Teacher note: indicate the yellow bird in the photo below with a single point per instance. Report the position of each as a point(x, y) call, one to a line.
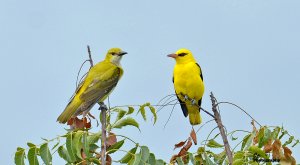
point(98, 84)
point(188, 84)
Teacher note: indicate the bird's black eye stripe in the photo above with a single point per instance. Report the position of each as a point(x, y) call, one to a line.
point(113, 53)
point(182, 54)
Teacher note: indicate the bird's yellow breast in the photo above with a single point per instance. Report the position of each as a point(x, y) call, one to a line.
point(187, 80)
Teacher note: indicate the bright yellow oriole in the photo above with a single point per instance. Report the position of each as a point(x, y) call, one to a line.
point(188, 84)
point(98, 84)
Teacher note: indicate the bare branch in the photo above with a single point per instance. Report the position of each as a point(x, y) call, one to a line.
point(221, 128)
point(90, 56)
point(103, 109)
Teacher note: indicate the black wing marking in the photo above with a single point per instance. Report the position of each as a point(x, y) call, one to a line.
point(199, 104)
point(183, 107)
point(201, 75)
point(182, 104)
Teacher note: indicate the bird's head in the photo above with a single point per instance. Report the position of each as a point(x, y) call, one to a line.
point(114, 55)
point(182, 56)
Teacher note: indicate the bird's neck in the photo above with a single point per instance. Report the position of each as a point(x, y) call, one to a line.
point(116, 60)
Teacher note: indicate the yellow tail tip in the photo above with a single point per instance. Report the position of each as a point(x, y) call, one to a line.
point(195, 119)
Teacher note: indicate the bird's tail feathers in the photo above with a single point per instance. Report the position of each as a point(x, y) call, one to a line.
point(194, 115)
point(68, 112)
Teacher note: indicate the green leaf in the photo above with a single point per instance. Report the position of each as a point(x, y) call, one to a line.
point(29, 144)
point(207, 160)
point(20, 156)
point(200, 150)
point(179, 161)
point(70, 147)
point(121, 113)
point(151, 159)
point(130, 110)
point(153, 111)
point(160, 162)
point(143, 112)
point(128, 156)
point(77, 143)
point(125, 122)
point(264, 138)
point(219, 158)
point(63, 153)
point(95, 160)
point(297, 141)
point(115, 147)
point(32, 156)
point(45, 154)
point(288, 141)
point(191, 157)
point(93, 138)
point(247, 141)
point(283, 132)
point(238, 162)
point(213, 144)
point(275, 132)
point(93, 147)
point(55, 145)
point(86, 145)
point(257, 150)
point(45, 139)
point(137, 159)
point(144, 153)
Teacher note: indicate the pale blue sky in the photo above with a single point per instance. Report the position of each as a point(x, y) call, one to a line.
point(248, 49)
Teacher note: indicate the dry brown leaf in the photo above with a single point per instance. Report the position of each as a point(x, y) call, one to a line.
point(276, 149)
point(70, 121)
point(193, 136)
point(182, 152)
point(173, 159)
point(287, 152)
point(180, 144)
point(287, 158)
point(86, 123)
point(78, 123)
point(253, 124)
point(184, 149)
point(108, 160)
point(188, 144)
point(111, 139)
point(268, 146)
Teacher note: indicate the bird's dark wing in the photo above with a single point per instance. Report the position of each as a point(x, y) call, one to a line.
point(100, 88)
point(182, 104)
point(201, 75)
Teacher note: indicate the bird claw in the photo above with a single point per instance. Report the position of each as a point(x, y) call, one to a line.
point(102, 106)
point(193, 101)
point(186, 98)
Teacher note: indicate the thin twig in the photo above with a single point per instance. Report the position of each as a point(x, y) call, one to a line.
point(221, 128)
point(169, 116)
point(204, 125)
point(90, 56)
point(224, 102)
point(79, 73)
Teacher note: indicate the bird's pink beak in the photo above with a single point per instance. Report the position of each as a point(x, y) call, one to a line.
point(173, 55)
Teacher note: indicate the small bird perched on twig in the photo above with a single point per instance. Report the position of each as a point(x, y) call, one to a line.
point(188, 84)
point(100, 81)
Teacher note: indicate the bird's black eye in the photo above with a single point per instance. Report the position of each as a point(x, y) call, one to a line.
point(113, 53)
point(182, 54)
